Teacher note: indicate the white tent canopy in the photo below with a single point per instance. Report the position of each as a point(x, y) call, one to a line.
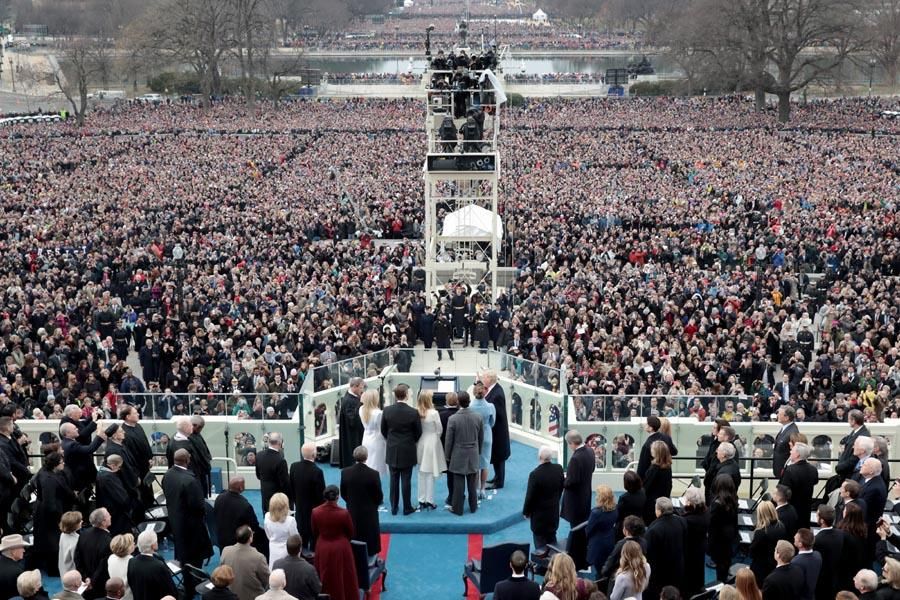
point(471, 221)
point(539, 16)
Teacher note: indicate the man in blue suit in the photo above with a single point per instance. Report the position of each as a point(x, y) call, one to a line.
point(517, 587)
point(873, 493)
point(809, 561)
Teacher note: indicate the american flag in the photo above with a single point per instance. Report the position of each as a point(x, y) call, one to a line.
point(553, 421)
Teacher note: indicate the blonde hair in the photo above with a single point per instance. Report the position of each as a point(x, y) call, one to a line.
point(662, 458)
point(729, 592)
point(369, 401)
point(278, 507)
point(892, 566)
point(562, 577)
point(425, 403)
point(605, 498)
point(745, 582)
point(222, 576)
point(28, 583)
point(632, 562)
point(765, 514)
point(665, 426)
point(70, 522)
point(122, 545)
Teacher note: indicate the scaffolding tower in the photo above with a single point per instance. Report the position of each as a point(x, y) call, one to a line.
point(463, 229)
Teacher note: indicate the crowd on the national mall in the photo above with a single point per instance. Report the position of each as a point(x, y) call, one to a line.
point(674, 258)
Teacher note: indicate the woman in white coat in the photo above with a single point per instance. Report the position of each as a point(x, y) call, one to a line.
point(370, 415)
point(279, 526)
point(429, 451)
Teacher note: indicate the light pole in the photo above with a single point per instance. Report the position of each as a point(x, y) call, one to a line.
point(12, 74)
point(872, 63)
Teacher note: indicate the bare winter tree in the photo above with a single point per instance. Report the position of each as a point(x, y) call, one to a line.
point(81, 60)
point(882, 34)
point(252, 35)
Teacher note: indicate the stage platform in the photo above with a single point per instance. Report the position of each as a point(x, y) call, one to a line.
point(498, 511)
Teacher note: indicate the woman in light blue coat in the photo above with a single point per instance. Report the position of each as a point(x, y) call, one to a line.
point(489, 416)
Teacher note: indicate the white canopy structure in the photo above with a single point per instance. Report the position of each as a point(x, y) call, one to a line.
point(539, 16)
point(471, 221)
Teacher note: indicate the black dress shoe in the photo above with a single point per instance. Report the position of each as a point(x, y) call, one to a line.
point(408, 511)
point(394, 511)
point(494, 487)
point(458, 514)
point(489, 481)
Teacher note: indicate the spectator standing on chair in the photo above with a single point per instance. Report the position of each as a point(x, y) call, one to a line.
point(361, 490)
point(350, 427)
point(847, 461)
point(633, 574)
point(808, 560)
point(657, 479)
point(148, 576)
point(307, 484)
point(279, 526)
point(801, 477)
point(465, 435)
point(187, 516)
point(334, 553)
point(401, 428)
point(232, 510)
point(500, 449)
point(782, 450)
point(518, 586)
point(652, 428)
point(600, 530)
point(665, 547)
point(576, 501)
point(271, 470)
point(251, 572)
point(302, 580)
point(429, 450)
point(221, 578)
point(488, 417)
point(785, 582)
point(370, 416)
point(696, 518)
point(277, 583)
point(829, 543)
point(723, 526)
point(542, 496)
point(762, 545)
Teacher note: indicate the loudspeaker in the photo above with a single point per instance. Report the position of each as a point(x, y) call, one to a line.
point(335, 458)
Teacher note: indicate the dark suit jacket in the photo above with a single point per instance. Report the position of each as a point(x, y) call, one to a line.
point(80, 461)
point(187, 516)
point(665, 552)
point(445, 412)
point(788, 516)
point(149, 578)
point(517, 588)
point(86, 428)
point(874, 494)
point(361, 490)
point(811, 566)
point(302, 580)
point(801, 477)
point(847, 461)
point(500, 449)
point(645, 458)
point(112, 495)
point(782, 450)
point(829, 544)
point(91, 552)
point(576, 501)
point(136, 441)
point(232, 510)
point(401, 428)
point(18, 462)
point(545, 486)
point(730, 467)
point(272, 472)
point(9, 572)
point(784, 583)
point(307, 486)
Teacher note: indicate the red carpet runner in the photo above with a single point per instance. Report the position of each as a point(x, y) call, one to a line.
point(476, 541)
point(375, 594)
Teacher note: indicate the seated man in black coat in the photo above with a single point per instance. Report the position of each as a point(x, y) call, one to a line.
point(786, 581)
point(517, 587)
point(148, 576)
point(232, 510)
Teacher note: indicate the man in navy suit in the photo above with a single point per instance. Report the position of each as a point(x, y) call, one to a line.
point(401, 428)
point(517, 587)
point(500, 449)
point(809, 561)
point(782, 448)
point(874, 493)
point(847, 461)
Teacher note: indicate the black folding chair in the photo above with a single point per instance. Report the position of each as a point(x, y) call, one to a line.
point(368, 570)
point(491, 568)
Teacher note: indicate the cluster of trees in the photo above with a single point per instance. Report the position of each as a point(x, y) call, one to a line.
point(769, 46)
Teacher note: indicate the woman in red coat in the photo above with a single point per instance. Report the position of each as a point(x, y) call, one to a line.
point(334, 556)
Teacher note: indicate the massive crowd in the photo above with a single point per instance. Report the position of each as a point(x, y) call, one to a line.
point(663, 247)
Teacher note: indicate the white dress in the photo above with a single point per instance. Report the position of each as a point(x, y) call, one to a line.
point(429, 451)
point(118, 567)
point(374, 441)
point(278, 533)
